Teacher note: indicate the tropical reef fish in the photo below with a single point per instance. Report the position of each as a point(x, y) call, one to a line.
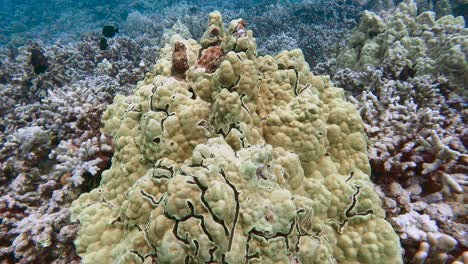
point(109, 31)
point(38, 61)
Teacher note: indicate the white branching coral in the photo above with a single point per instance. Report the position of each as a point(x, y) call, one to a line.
point(440, 149)
point(51, 148)
point(406, 75)
point(78, 159)
point(25, 139)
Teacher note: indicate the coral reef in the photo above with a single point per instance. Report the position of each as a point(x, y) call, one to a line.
point(410, 45)
point(406, 73)
point(223, 156)
point(51, 149)
point(320, 26)
point(444, 7)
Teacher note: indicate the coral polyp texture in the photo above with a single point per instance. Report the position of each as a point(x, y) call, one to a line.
point(411, 45)
point(225, 157)
point(407, 74)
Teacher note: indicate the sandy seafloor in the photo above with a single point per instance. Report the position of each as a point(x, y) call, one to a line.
point(407, 78)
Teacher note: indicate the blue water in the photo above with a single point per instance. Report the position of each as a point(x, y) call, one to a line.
point(67, 19)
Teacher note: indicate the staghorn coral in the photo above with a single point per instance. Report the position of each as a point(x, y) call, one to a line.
point(415, 138)
point(410, 93)
point(38, 187)
point(76, 160)
point(236, 159)
point(51, 147)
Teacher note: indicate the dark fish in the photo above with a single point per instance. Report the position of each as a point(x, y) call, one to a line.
point(38, 61)
point(103, 43)
point(109, 31)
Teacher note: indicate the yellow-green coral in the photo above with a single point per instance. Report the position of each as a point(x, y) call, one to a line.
point(235, 159)
point(408, 42)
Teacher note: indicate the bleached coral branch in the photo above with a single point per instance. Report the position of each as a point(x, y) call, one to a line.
point(439, 148)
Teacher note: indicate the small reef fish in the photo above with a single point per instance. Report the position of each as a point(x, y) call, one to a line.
point(38, 61)
point(109, 31)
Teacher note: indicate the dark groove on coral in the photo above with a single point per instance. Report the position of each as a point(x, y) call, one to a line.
point(354, 201)
point(151, 198)
point(159, 166)
point(351, 174)
point(247, 248)
point(194, 95)
point(211, 251)
point(197, 247)
point(199, 165)
point(145, 231)
point(242, 139)
point(117, 220)
point(243, 104)
point(231, 127)
point(296, 93)
point(304, 88)
point(176, 234)
point(348, 210)
point(138, 254)
point(236, 216)
point(153, 90)
point(202, 220)
point(231, 88)
point(132, 109)
point(210, 210)
point(279, 234)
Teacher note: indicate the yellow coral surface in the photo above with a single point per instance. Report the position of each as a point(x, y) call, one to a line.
point(408, 41)
point(234, 159)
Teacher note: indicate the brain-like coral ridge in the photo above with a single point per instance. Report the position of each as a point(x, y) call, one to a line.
point(225, 157)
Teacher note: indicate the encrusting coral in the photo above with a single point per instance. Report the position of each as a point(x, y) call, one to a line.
point(225, 157)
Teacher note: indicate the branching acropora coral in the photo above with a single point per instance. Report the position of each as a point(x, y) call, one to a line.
point(225, 157)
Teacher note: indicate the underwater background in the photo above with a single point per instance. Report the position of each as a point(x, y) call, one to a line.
point(403, 64)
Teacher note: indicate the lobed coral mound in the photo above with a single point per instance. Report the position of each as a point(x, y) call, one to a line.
point(409, 45)
point(408, 76)
point(225, 157)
